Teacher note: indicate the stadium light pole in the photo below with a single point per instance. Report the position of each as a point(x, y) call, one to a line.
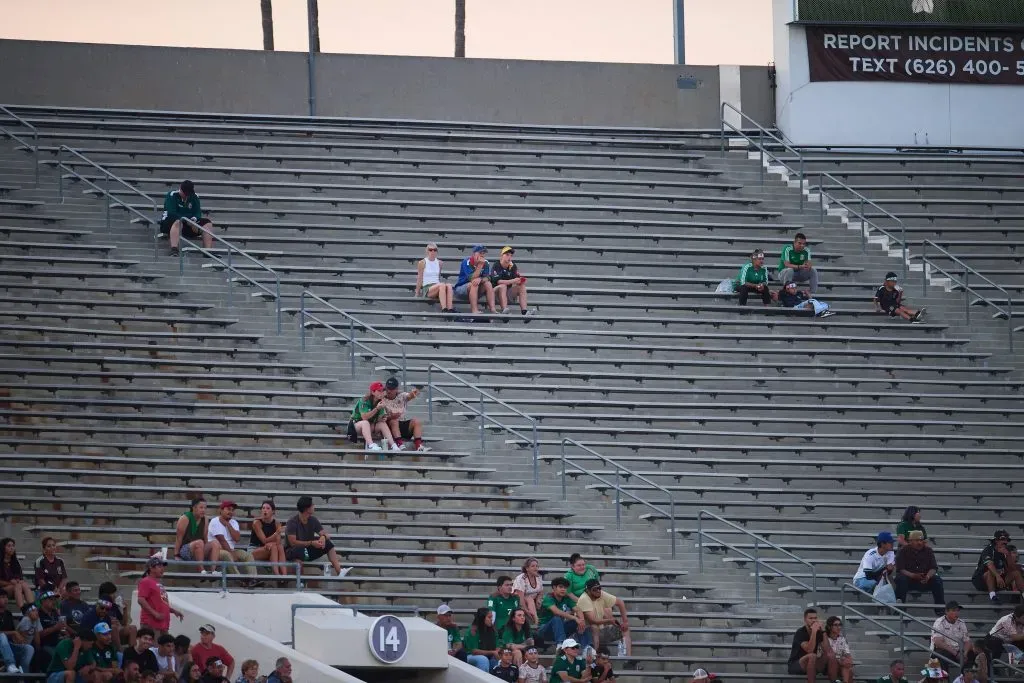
point(679, 22)
point(313, 25)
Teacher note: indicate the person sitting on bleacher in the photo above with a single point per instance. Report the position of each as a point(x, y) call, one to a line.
point(997, 570)
point(104, 655)
point(184, 203)
point(1007, 636)
point(917, 570)
point(753, 277)
point(72, 660)
point(16, 650)
point(798, 301)
point(516, 635)
point(795, 264)
point(508, 283)
point(474, 276)
point(72, 607)
point(265, 538)
point(558, 617)
point(369, 417)
point(395, 403)
point(222, 537)
point(878, 563)
point(502, 602)
point(53, 627)
point(911, 521)
point(596, 605)
point(481, 641)
point(206, 649)
point(428, 280)
point(50, 572)
point(889, 300)
point(308, 541)
point(190, 532)
point(12, 578)
point(107, 609)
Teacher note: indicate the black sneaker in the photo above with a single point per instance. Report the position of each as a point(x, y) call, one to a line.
point(175, 251)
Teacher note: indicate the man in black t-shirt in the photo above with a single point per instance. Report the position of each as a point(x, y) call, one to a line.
point(889, 299)
point(811, 653)
point(996, 570)
point(508, 282)
point(307, 539)
point(141, 653)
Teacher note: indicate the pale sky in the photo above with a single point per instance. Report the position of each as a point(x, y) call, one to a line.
point(718, 31)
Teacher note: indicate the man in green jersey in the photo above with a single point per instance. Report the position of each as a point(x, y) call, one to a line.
point(753, 277)
point(558, 617)
point(182, 213)
point(895, 675)
point(795, 264)
point(568, 666)
point(503, 602)
point(446, 620)
point(72, 659)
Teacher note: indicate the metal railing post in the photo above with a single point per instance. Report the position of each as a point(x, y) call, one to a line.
point(1009, 319)
point(231, 291)
point(618, 499)
point(60, 173)
point(700, 541)
point(721, 130)
point(536, 456)
point(181, 260)
point(430, 393)
point(821, 199)
point(224, 576)
point(352, 346)
point(298, 576)
point(967, 298)
point(802, 182)
point(35, 141)
point(483, 426)
point(903, 642)
point(672, 522)
point(757, 572)
point(842, 602)
point(906, 258)
point(760, 148)
point(563, 470)
point(106, 200)
point(302, 320)
point(814, 585)
point(277, 295)
point(924, 268)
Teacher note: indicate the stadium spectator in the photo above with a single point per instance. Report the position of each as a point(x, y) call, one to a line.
point(100, 613)
point(502, 602)
point(446, 620)
point(184, 203)
point(889, 299)
point(142, 651)
point(223, 533)
point(601, 670)
point(997, 570)
point(795, 264)
point(801, 304)
point(105, 655)
point(596, 606)
point(508, 283)
point(147, 677)
point(16, 650)
point(130, 674)
point(183, 653)
point(481, 641)
point(12, 578)
point(878, 562)
point(532, 671)
point(474, 276)
point(979, 659)
point(753, 277)
point(528, 586)
point(190, 534)
point(967, 675)
point(194, 674)
point(30, 627)
point(50, 572)
point(428, 280)
point(702, 676)
point(911, 522)
point(395, 403)
point(1007, 636)
point(53, 626)
point(505, 669)
point(72, 659)
point(308, 541)
point(578, 574)
point(72, 607)
point(896, 670)
point(949, 634)
point(840, 648)
point(811, 653)
point(917, 571)
point(250, 672)
point(265, 538)
point(214, 672)
point(933, 671)
point(166, 659)
point(206, 649)
point(516, 635)
point(370, 416)
point(282, 672)
point(558, 616)
point(568, 666)
point(154, 606)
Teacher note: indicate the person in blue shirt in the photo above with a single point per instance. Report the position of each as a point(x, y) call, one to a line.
point(184, 203)
point(474, 278)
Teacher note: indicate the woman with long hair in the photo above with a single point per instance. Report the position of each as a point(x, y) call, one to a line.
point(529, 586)
point(265, 538)
point(841, 649)
point(12, 578)
point(192, 674)
point(911, 522)
point(481, 641)
point(428, 280)
point(516, 635)
point(50, 572)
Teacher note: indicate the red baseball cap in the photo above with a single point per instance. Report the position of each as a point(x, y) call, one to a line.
point(376, 386)
point(227, 504)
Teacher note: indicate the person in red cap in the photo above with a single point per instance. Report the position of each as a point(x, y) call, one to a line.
point(369, 417)
point(223, 535)
point(154, 608)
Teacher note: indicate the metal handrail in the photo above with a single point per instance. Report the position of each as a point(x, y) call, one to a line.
point(968, 290)
point(109, 175)
point(762, 131)
point(276, 292)
point(35, 137)
point(225, 564)
point(618, 489)
point(352, 323)
point(756, 557)
point(103, 191)
point(482, 412)
point(866, 222)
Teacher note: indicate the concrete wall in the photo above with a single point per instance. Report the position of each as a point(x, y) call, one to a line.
point(886, 113)
point(256, 82)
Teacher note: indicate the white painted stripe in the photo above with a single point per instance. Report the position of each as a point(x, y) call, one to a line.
point(729, 91)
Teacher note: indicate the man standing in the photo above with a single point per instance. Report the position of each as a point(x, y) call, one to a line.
point(206, 649)
point(917, 570)
point(474, 275)
point(503, 603)
point(154, 607)
point(878, 562)
point(179, 204)
point(596, 607)
point(895, 675)
point(810, 653)
point(395, 403)
point(950, 638)
point(996, 570)
point(557, 618)
point(15, 650)
point(795, 264)
point(753, 277)
point(308, 541)
point(508, 283)
point(223, 533)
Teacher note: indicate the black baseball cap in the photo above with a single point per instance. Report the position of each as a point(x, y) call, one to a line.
point(953, 604)
point(1001, 535)
point(592, 583)
point(392, 383)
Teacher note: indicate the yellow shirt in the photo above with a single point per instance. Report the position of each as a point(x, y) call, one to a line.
point(598, 607)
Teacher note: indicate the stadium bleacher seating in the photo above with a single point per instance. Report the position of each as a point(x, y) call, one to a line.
point(128, 387)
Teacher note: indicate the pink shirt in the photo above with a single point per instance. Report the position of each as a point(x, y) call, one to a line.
point(156, 597)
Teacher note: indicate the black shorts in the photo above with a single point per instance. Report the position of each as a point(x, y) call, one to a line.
point(405, 429)
point(794, 668)
point(978, 579)
point(186, 228)
point(297, 554)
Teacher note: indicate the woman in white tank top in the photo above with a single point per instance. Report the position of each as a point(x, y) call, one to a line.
point(428, 280)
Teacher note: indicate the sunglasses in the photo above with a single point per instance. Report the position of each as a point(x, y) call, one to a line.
point(434, 249)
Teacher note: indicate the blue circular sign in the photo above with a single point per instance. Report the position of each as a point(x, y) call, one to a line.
point(389, 641)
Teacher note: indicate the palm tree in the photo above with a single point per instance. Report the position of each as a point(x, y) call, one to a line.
point(267, 13)
point(314, 25)
point(460, 28)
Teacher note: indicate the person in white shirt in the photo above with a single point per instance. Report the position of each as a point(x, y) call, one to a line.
point(968, 675)
point(166, 659)
point(876, 563)
point(428, 280)
point(223, 533)
point(532, 671)
point(950, 637)
point(1007, 636)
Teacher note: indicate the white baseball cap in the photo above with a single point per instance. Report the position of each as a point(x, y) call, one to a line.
point(444, 609)
point(569, 642)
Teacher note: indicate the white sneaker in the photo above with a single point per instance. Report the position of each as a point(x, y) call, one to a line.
point(404, 446)
point(13, 669)
point(424, 449)
point(214, 573)
point(372, 446)
point(529, 312)
point(506, 310)
point(395, 447)
point(344, 571)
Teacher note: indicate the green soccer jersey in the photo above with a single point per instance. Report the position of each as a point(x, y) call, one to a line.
point(454, 636)
point(503, 609)
point(63, 651)
point(511, 637)
point(573, 668)
point(549, 601)
point(797, 258)
point(364, 405)
point(175, 207)
point(577, 582)
point(104, 658)
point(749, 275)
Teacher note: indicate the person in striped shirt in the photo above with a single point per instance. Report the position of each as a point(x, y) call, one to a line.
point(795, 264)
point(753, 277)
